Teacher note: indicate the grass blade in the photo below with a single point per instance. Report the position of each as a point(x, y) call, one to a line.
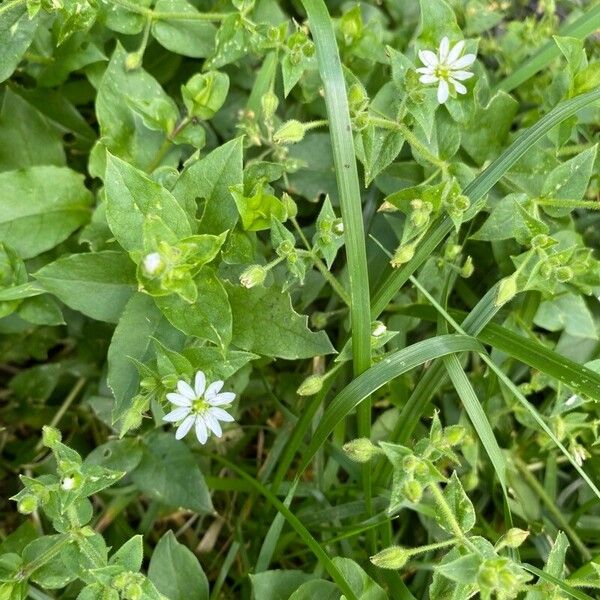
point(586, 24)
point(340, 130)
point(377, 376)
point(475, 191)
point(557, 582)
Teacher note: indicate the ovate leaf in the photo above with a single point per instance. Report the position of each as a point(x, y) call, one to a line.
point(460, 505)
point(96, 284)
point(170, 474)
point(208, 181)
point(194, 38)
point(131, 197)
point(176, 572)
point(140, 322)
point(41, 207)
point(16, 32)
point(265, 322)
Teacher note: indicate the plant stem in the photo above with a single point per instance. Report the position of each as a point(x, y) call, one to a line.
point(412, 139)
point(172, 16)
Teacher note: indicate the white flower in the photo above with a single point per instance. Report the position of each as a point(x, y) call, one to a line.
point(68, 483)
point(200, 407)
point(152, 263)
point(446, 68)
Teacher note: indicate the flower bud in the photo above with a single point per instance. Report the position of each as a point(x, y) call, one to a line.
point(394, 557)
point(290, 132)
point(467, 269)
point(133, 61)
point(378, 329)
point(541, 240)
point(254, 275)
point(413, 490)
point(50, 436)
point(133, 592)
point(27, 504)
point(338, 227)
point(454, 434)
point(71, 482)
point(269, 103)
point(513, 538)
point(403, 254)
point(409, 463)
point(563, 274)
point(153, 264)
point(361, 450)
point(319, 320)
point(357, 98)
point(507, 290)
point(291, 208)
point(311, 385)
point(205, 93)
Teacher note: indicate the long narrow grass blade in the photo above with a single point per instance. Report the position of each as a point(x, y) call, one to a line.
point(557, 582)
point(389, 368)
point(340, 130)
point(475, 191)
point(586, 24)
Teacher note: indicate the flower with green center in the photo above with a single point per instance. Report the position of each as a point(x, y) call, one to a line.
point(199, 407)
point(446, 68)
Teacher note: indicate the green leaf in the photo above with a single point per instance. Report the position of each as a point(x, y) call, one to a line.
point(131, 197)
point(123, 133)
point(264, 322)
point(462, 570)
point(460, 505)
point(193, 38)
point(437, 20)
point(569, 181)
point(140, 322)
point(96, 284)
point(316, 588)
point(176, 572)
point(487, 130)
point(209, 180)
point(130, 554)
point(379, 148)
point(567, 312)
point(277, 584)
point(363, 586)
point(257, 211)
point(170, 474)
point(26, 136)
point(209, 318)
point(16, 32)
point(54, 574)
point(41, 207)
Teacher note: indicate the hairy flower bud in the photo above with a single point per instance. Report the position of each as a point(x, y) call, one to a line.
point(403, 254)
point(361, 450)
point(513, 538)
point(378, 329)
point(50, 436)
point(413, 490)
point(254, 275)
point(467, 269)
point(290, 132)
point(310, 386)
point(394, 557)
point(153, 264)
point(507, 290)
point(27, 504)
point(269, 103)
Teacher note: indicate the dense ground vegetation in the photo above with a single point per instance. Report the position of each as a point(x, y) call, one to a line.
point(299, 300)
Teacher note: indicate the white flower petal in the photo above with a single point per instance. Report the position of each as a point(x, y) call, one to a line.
point(213, 389)
point(426, 70)
point(464, 61)
point(201, 431)
point(461, 75)
point(428, 58)
point(185, 389)
point(212, 424)
point(455, 52)
point(199, 384)
point(177, 414)
point(222, 398)
point(428, 79)
point(443, 92)
point(184, 428)
point(444, 47)
point(459, 87)
point(178, 399)
point(221, 414)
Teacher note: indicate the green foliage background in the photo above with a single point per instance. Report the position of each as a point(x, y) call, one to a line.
point(402, 294)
